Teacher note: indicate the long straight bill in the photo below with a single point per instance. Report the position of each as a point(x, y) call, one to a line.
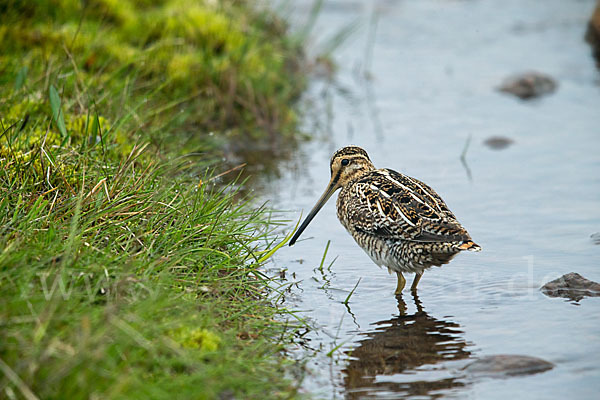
point(328, 192)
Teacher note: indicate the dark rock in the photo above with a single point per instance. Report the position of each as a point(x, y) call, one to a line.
point(595, 237)
point(572, 286)
point(592, 36)
point(505, 365)
point(529, 85)
point(498, 142)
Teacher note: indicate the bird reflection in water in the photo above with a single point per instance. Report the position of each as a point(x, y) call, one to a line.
point(400, 346)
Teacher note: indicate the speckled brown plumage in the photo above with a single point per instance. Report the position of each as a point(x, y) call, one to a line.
point(399, 221)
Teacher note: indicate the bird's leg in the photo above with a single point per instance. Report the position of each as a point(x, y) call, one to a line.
point(418, 276)
point(401, 283)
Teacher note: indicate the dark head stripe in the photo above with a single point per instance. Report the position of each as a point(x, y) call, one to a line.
point(349, 151)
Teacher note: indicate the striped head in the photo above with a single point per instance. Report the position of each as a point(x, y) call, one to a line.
point(346, 165)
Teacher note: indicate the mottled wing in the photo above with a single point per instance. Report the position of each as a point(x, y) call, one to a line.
point(389, 204)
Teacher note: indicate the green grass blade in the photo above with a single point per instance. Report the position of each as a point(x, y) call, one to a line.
point(57, 113)
point(20, 78)
point(324, 255)
point(351, 292)
point(270, 253)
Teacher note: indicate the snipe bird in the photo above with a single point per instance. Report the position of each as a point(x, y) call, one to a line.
point(399, 221)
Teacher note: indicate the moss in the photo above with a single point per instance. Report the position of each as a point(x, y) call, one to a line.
point(34, 115)
point(221, 58)
point(196, 338)
point(34, 148)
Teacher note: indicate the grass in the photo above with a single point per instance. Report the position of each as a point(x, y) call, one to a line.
point(128, 291)
point(126, 269)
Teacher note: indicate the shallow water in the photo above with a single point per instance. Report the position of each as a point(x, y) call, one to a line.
point(428, 86)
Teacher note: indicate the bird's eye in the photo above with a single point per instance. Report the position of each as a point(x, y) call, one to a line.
point(345, 162)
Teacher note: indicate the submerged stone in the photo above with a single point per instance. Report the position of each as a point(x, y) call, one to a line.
point(498, 142)
point(571, 286)
point(529, 85)
point(505, 365)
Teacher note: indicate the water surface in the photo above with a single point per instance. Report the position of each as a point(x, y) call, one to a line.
point(415, 82)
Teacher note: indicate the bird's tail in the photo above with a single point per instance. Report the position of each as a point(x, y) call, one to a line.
point(469, 245)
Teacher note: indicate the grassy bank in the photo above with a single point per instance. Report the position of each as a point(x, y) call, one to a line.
point(123, 273)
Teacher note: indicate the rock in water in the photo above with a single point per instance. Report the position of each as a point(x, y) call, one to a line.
point(529, 85)
point(498, 142)
point(572, 286)
point(505, 365)
point(592, 35)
